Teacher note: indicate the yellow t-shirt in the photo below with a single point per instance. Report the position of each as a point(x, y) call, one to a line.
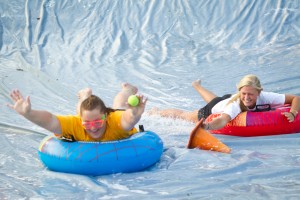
point(72, 128)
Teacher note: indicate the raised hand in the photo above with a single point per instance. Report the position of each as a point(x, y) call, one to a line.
point(21, 105)
point(140, 108)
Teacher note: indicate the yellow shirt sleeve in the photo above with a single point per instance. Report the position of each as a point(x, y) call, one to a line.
point(72, 129)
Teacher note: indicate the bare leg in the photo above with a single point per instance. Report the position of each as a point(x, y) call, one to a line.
point(176, 113)
point(121, 98)
point(204, 93)
point(186, 115)
point(82, 95)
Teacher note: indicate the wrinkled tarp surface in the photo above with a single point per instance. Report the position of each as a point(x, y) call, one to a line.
point(50, 49)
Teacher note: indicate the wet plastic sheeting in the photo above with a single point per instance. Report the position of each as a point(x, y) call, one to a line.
point(50, 49)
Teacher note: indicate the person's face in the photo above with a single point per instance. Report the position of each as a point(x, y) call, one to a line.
point(248, 95)
point(93, 122)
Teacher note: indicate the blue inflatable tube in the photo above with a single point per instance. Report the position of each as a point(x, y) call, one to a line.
point(136, 153)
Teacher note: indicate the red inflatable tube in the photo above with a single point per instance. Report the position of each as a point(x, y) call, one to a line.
point(248, 124)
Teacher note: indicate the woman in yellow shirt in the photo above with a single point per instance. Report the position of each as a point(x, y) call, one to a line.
point(94, 122)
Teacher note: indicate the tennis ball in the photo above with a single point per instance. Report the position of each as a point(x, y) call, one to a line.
point(133, 100)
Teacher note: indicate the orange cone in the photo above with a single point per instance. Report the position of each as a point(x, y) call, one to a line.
point(199, 138)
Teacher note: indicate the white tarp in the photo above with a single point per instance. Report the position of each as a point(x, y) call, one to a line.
point(50, 49)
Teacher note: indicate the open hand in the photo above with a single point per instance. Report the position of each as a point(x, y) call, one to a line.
point(21, 105)
point(290, 117)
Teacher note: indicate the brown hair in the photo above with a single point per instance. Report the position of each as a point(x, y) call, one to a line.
point(94, 102)
point(248, 80)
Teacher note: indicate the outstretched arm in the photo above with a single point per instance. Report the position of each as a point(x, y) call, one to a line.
point(41, 118)
point(217, 123)
point(132, 115)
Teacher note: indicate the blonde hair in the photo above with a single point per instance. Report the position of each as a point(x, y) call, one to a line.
point(248, 80)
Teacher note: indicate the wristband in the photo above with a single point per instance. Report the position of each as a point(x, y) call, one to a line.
point(295, 112)
point(293, 115)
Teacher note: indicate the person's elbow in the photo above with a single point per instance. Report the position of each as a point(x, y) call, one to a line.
point(289, 99)
point(127, 126)
point(128, 122)
point(54, 126)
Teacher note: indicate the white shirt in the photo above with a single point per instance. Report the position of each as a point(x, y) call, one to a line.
point(233, 109)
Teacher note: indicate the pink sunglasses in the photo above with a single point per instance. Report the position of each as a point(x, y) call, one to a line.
point(96, 124)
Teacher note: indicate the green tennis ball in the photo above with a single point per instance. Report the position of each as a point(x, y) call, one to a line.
point(133, 100)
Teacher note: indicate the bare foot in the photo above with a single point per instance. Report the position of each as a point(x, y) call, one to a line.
point(84, 94)
point(120, 100)
point(131, 89)
point(196, 83)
